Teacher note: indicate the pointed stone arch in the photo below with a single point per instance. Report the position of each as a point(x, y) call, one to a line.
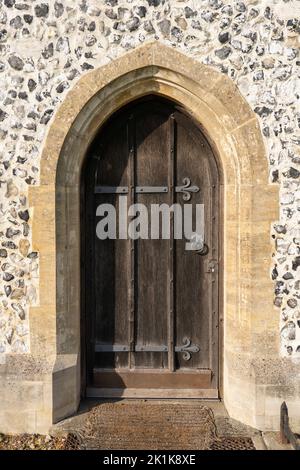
point(250, 204)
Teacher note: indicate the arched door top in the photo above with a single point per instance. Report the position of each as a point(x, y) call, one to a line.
point(209, 96)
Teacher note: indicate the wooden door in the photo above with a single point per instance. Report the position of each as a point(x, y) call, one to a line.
point(150, 305)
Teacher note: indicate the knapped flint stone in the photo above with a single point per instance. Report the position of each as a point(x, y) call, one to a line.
point(240, 6)
point(274, 273)
point(275, 176)
point(16, 22)
point(266, 131)
point(19, 309)
point(287, 276)
point(141, 11)
point(9, 244)
point(23, 95)
point(289, 331)
point(58, 9)
point(280, 228)
point(293, 25)
point(92, 26)
point(148, 27)
point(16, 62)
point(3, 16)
point(7, 290)
point(31, 84)
point(9, 335)
point(10, 232)
point(3, 253)
point(292, 53)
point(246, 48)
point(216, 4)
point(133, 24)
point(278, 301)
point(72, 74)
point(262, 111)
point(287, 198)
point(12, 93)
point(111, 14)
point(22, 6)
point(208, 16)
point(28, 138)
point(5, 266)
point(292, 303)
point(189, 13)
point(25, 229)
point(153, 3)
point(259, 75)
point(24, 215)
point(119, 26)
point(165, 27)
point(29, 179)
point(93, 11)
point(227, 10)
point(236, 44)
point(260, 50)
point(86, 66)
point(296, 263)
point(41, 10)
point(32, 255)
point(280, 287)
point(292, 173)
point(3, 34)
point(223, 53)
point(224, 37)
point(62, 45)
point(3, 115)
point(48, 51)
point(46, 116)
point(62, 87)
point(177, 33)
point(90, 41)
point(20, 283)
point(8, 276)
point(9, 3)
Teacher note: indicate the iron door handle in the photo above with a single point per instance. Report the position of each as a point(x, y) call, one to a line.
point(197, 244)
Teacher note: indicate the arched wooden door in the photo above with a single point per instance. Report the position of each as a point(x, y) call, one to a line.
point(150, 305)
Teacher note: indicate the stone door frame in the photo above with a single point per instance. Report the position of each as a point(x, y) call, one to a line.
point(250, 205)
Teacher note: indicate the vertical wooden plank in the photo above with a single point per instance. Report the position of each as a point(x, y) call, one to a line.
point(131, 274)
point(195, 289)
point(171, 273)
point(111, 257)
point(152, 167)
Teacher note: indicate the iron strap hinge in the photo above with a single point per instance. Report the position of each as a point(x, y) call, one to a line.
point(125, 190)
point(187, 348)
point(186, 189)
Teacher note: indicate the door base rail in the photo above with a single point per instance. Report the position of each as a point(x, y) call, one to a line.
point(152, 379)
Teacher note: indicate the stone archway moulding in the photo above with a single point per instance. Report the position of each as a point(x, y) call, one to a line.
point(250, 204)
